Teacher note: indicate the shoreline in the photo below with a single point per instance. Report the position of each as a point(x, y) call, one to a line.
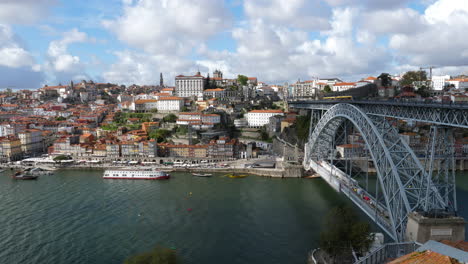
point(263, 172)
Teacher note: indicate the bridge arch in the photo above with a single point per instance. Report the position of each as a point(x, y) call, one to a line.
point(402, 179)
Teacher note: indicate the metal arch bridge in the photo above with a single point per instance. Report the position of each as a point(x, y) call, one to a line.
point(406, 185)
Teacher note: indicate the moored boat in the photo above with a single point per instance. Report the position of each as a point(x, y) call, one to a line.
point(233, 175)
point(202, 174)
point(24, 176)
point(131, 174)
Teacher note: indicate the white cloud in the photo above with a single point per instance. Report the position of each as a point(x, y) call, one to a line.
point(23, 11)
point(175, 26)
point(442, 42)
point(17, 65)
point(394, 21)
point(302, 14)
point(275, 53)
point(60, 60)
point(61, 66)
point(11, 53)
point(141, 68)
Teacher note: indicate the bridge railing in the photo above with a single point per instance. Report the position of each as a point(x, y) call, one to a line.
point(462, 105)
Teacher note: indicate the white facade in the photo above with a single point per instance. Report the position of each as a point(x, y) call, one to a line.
point(166, 104)
point(438, 82)
point(305, 89)
point(187, 86)
point(259, 118)
point(343, 86)
point(459, 83)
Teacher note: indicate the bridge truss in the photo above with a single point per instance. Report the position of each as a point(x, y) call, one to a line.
point(403, 184)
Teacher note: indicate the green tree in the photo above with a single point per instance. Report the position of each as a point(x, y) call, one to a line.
point(423, 91)
point(344, 232)
point(170, 118)
point(327, 89)
point(242, 79)
point(302, 128)
point(386, 79)
point(413, 76)
point(154, 110)
point(159, 255)
point(159, 134)
point(60, 118)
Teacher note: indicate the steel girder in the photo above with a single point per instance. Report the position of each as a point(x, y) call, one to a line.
point(440, 114)
point(402, 178)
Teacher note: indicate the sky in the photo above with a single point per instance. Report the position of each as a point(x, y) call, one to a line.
point(132, 41)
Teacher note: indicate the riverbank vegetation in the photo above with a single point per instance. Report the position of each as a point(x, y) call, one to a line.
point(344, 233)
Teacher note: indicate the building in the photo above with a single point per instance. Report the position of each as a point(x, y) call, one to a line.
point(350, 150)
point(144, 105)
point(459, 83)
point(31, 141)
point(439, 81)
point(259, 118)
point(304, 89)
point(187, 151)
point(224, 148)
point(214, 93)
point(170, 104)
point(187, 86)
point(10, 149)
point(343, 86)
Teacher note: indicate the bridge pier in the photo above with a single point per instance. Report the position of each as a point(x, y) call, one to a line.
point(421, 228)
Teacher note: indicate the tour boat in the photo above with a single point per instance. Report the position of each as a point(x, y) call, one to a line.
point(202, 175)
point(133, 174)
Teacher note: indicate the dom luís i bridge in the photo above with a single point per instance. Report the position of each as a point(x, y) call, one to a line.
point(357, 148)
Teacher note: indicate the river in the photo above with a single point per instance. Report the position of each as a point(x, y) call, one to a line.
point(75, 216)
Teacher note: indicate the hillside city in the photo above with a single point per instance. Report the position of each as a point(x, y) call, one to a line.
point(200, 119)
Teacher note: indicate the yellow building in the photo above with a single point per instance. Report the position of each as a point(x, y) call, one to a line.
point(10, 148)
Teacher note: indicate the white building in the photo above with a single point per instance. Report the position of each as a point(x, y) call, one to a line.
point(259, 118)
point(170, 103)
point(187, 86)
point(305, 89)
point(343, 86)
point(438, 82)
point(459, 83)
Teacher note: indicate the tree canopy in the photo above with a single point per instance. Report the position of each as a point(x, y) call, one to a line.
point(242, 79)
point(343, 231)
point(159, 255)
point(170, 118)
point(413, 76)
point(327, 89)
point(386, 79)
point(159, 134)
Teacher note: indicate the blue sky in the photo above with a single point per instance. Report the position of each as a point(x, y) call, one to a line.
point(132, 41)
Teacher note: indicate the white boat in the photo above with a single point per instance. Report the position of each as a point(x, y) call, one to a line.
point(133, 174)
point(202, 175)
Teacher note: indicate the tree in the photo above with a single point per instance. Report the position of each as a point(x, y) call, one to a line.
point(413, 76)
point(386, 79)
point(159, 134)
point(60, 118)
point(170, 118)
point(302, 128)
point(242, 79)
point(423, 91)
point(344, 232)
point(159, 255)
point(327, 89)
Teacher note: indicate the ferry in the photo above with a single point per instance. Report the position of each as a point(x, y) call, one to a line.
point(133, 174)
